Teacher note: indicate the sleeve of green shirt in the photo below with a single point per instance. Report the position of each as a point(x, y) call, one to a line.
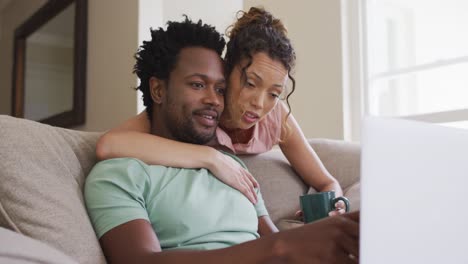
point(260, 205)
point(114, 194)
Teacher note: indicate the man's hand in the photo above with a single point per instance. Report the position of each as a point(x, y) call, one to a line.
point(331, 240)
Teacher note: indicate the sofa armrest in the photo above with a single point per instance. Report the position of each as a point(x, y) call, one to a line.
point(19, 249)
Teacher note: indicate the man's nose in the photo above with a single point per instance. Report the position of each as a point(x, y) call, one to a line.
point(212, 97)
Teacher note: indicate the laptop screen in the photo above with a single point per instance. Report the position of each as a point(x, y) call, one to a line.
point(414, 194)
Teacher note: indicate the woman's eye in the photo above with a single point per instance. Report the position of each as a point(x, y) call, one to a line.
point(275, 95)
point(250, 84)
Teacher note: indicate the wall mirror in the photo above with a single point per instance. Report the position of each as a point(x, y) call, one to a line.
point(49, 74)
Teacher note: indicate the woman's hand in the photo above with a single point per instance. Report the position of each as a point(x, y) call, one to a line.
point(340, 208)
point(229, 171)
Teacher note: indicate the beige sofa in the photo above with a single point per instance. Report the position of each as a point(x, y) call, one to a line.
point(42, 172)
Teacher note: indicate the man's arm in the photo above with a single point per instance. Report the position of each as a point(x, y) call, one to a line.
point(136, 242)
point(266, 226)
point(331, 240)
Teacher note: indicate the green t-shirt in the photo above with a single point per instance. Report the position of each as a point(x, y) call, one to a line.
point(187, 208)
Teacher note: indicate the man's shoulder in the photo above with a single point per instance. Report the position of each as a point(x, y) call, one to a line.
point(120, 163)
point(121, 166)
point(236, 158)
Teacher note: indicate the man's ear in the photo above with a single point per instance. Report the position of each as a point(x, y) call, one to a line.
point(157, 89)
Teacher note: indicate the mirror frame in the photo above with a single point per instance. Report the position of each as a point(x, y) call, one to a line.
point(47, 12)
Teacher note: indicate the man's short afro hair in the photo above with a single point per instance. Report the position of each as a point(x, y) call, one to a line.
point(158, 57)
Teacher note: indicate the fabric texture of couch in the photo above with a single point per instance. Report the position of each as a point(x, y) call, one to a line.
point(43, 169)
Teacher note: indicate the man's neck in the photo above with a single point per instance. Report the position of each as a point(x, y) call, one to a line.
point(158, 126)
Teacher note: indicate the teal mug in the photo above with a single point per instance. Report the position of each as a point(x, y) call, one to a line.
point(317, 206)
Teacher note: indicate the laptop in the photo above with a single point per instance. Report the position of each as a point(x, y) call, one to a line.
point(414, 193)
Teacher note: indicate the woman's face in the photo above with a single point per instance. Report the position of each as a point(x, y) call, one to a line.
point(250, 101)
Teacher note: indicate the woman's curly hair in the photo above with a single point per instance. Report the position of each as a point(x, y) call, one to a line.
point(158, 57)
point(258, 31)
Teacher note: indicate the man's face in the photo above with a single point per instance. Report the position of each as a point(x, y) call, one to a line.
point(194, 97)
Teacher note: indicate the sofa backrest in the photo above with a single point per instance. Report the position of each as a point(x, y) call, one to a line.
point(279, 185)
point(42, 172)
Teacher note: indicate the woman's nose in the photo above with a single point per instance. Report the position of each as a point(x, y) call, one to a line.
point(258, 100)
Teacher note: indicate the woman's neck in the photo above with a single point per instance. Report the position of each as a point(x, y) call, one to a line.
point(238, 135)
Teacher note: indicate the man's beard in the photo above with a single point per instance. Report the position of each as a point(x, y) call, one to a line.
point(185, 132)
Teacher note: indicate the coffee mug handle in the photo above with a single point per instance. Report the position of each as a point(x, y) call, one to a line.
point(341, 198)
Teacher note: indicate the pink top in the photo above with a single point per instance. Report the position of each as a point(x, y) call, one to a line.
point(266, 134)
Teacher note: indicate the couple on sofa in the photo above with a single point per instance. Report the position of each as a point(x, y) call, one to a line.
point(138, 209)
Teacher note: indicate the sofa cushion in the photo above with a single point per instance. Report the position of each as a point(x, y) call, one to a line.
point(19, 249)
point(353, 193)
point(279, 184)
point(342, 159)
point(42, 172)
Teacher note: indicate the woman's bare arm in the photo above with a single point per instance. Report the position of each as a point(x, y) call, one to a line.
point(133, 139)
point(306, 162)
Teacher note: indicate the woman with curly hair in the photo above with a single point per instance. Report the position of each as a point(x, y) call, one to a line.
point(258, 64)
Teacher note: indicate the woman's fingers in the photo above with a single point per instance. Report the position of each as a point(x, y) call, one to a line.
point(340, 208)
point(233, 174)
point(299, 215)
point(340, 205)
point(245, 190)
point(244, 186)
point(249, 188)
point(337, 212)
point(252, 179)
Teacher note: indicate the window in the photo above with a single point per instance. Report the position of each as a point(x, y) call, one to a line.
point(415, 60)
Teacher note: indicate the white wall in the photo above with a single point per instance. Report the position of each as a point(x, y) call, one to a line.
point(112, 42)
point(117, 27)
point(13, 15)
point(315, 31)
point(220, 14)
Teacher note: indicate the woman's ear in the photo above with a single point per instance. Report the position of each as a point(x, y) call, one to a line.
point(157, 89)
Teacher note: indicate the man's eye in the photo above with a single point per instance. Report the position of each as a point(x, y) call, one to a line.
point(221, 91)
point(198, 85)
